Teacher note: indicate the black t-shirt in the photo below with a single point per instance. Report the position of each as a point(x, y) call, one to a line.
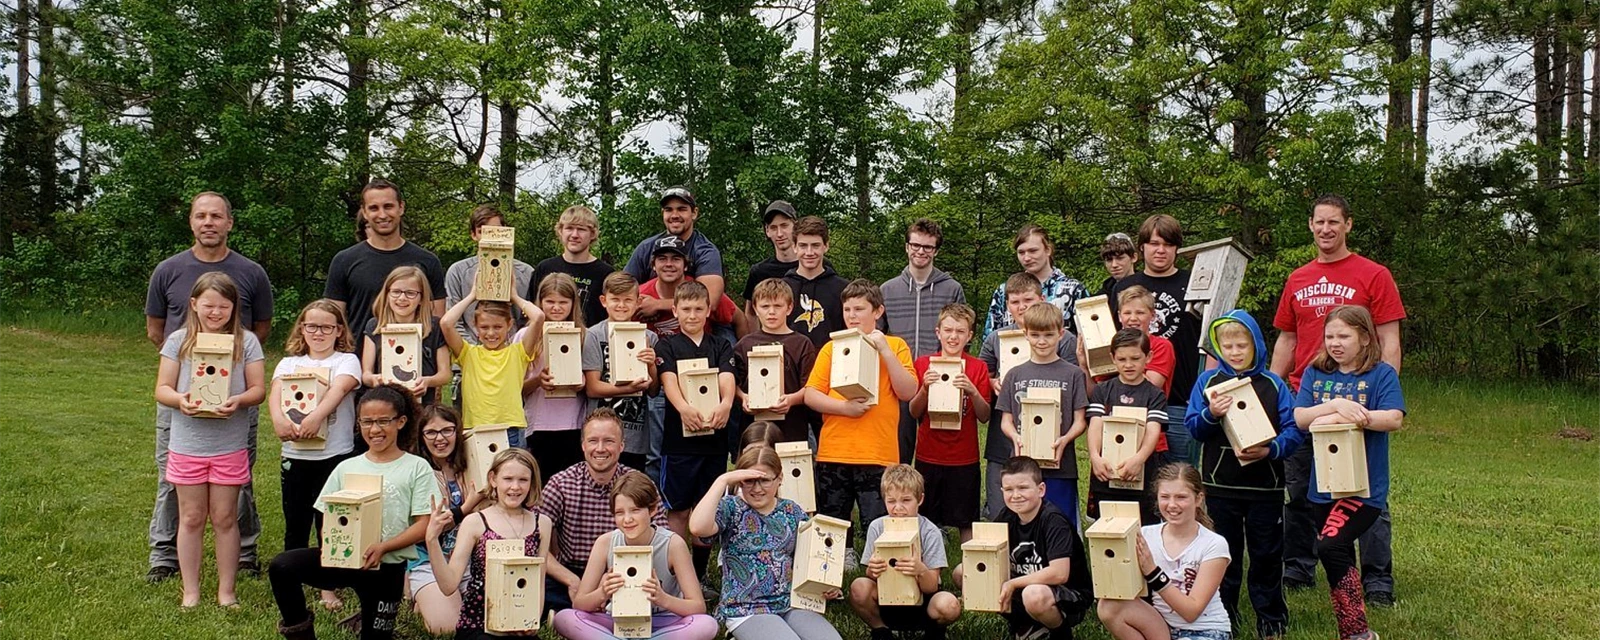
point(670, 351)
point(432, 342)
point(356, 275)
point(769, 268)
point(1050, 536)
point(588, 275)
point(798, 357)
point(1176, 325)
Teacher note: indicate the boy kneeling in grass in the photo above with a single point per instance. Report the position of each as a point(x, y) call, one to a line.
point(902, 490)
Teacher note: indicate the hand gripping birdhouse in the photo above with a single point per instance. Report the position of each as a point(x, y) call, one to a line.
point(901, 540)
point(1246, 423)
point(945, 400)
point(484, 442)
point(400, 353)
point(764, 388)
point(797, 484)
point(1039, 424)
point(1014, 350)
point(1096, 328)
point(513, 587)
point(985, 566)
point(298, 394)
point(352, 520)
point(563, 359)
point(1340, 459)
point(495, 276)
point(854, 372)
point(211, 368)
point(630, 605)
point(697, 380)
point(819, 549)
point(626, 340)
point(1215, 280)
point(1113, 551)
point(1119, 441)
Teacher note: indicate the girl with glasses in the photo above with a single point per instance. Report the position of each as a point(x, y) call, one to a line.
point(406, 299)
point(442, 446)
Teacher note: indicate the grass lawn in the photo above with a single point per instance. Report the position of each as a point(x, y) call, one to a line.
point(1497, 526)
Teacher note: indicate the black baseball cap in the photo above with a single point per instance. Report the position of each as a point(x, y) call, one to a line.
point(670, 244)
point(775, 209)
point(680, 192)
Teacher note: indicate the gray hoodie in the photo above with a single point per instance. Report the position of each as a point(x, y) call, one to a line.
point(912, 312)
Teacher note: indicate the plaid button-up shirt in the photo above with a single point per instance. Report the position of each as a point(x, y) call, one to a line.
point(581, 511)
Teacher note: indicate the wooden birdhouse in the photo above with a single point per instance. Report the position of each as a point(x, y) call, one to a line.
point(854, 373)
point(1113, 551)
point(626, 340)
point(352, 520)
point(1014, 350)
point(211, 362)
point(495, 275)
point(513, 587)
point(764, 388)
point(630, 605)
point(400, 353)
point(945, 401)
point(1119, 441)
point(1340, 452)
point(985, 565)
point(1096, 328)
point(697, 380)
point(901, 540)
point(563, 358)
point(1214, 281)
point(484, 442)
point(1246, 423)
point(797, 484)
point(1039, 424)
point(298, 394)
point(820, 545)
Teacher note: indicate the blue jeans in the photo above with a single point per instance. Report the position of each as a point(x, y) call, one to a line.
point(1063, 493)
point(1253, 528)
point(1180, 447)
point(654, 422)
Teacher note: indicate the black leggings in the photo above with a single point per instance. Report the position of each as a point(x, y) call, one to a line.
point(380, 590)
point(1342, 523)
point(301, 484)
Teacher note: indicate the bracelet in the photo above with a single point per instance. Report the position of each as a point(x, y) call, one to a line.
point(1156, 581)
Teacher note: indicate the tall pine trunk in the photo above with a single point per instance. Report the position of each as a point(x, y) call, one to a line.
point(358, 132)
point(45, 113)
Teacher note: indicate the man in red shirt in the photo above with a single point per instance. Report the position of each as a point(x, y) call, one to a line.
point(1336, 277)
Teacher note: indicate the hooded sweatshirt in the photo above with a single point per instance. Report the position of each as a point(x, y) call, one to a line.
point(817, 303)
point(912, 312)
point(1220, 471)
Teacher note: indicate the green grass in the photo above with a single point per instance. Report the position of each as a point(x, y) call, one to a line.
point(1497, 528)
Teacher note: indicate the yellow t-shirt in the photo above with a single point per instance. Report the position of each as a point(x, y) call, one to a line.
point(491, 385)
point(873, 438)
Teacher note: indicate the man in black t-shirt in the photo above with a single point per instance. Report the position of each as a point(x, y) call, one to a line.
point(1160, 237)
point(356, 275)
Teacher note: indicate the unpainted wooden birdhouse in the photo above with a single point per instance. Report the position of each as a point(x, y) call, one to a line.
point(513, 587)
point(697, 380)
point(1340, 457)
point(764, 388)
point(484, 442)
point(1038, 424)
point(400, 353)
point(210, 375)
point(1119, 441)
point(1013, 350)
point(1113, 551)
point(854, 372)
point(901, 540)
point(1246, 423)
point(495, 273)
point(945, 400)
point(563, 349)
point(985, 566)
point(797, 484)
point(626, 340)
point(630, 605)
point(818, 561)
point(1096, 328)
point(353, 521)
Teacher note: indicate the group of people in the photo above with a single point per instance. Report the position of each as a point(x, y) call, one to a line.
point(632, 462)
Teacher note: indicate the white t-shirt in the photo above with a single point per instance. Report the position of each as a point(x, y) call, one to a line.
point(1183, 570)
point(342, 424)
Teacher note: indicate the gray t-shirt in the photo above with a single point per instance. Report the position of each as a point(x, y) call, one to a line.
point(341, 424)
point(173, 281)
point(932, 541)
point(597, 357)
point(195, 436)
point(458, 281)
point(1061, 375)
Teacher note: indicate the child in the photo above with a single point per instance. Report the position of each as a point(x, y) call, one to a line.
point(554, 424)
point(761, 433)
point(1129, 350)
point(859, 440)
point(1120, 257)
point(1350, 383)
point(772, 302)
point(492, 373)
point(1182, 562)
point(207, 459)
point(577, 230)
point(387, 418)
point(619, 296)
point(1246, 501)
point(1046, 369)
point(1136, 309)
point(818, 292)
point(679, 611)
point(1050, 588)
point(757, 531)
point(693, 452)
point(948, 459)
point(442, 446)
point(902, 496)
point(513, 490)
point(319, 340)
point(407, 299)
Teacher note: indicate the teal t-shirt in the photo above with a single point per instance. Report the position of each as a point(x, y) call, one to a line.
point(408, 491)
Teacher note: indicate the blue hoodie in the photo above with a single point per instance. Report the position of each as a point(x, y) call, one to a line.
point(1220, 471)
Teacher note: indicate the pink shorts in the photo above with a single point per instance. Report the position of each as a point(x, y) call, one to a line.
point(228, 468)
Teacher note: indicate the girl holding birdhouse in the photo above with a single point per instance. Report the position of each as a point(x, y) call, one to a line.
point(208, 459)
point(678, 608)
point(555, 413)
point(1348, 383)
point(406, 303)
point(442, 446)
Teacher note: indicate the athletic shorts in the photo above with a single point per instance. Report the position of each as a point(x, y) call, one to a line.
point(227, 469)
point(951, 493)
point(909, 617)
point(686, 478)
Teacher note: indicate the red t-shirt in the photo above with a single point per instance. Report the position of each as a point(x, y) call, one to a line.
point(1163, 361)
point(1318, 287)
point(946, 447)
point(664, 324)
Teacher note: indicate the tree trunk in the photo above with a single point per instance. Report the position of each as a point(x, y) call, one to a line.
point(814, 125)
point(967, 23)
point(508, 155)
point(357, 119)
point(286, 15)
point(1594, 107)
point(45, 113)
point(1543, 118)
point(1574, 94)
point(863, 188)
point(19, 19)
point(1398, 132)
point(1424, 88)
point(605, 130)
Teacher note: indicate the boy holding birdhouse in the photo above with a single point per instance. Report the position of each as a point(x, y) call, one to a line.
point(914, 575)
point(1046, 370)
point(948, 457)
point(771, 302)
point(1124, 480)
point(608, 382)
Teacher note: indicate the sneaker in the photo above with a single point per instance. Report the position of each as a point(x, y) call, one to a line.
point(249, 569)
point(850, 560)
point(1380, 599)
point(159, 573)
point(1037, 632)
point(882, 633)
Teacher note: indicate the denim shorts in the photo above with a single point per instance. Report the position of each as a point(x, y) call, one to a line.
point(1201, 634)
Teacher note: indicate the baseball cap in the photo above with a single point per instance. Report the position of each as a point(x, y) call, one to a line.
point(670, 244)
point(775, 209)
point(680, 192)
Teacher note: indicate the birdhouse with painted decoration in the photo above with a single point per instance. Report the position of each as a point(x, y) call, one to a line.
point(797, 484)
point(764, 388)
point(985, 566)
point(1096, 328)
point(400, 353)
point(1340, 460)
point(854, 371)
point(210, 373)
point(563, 358)
point(352, 520)
point(1246, 423)
point(1214, 280)
point(1038, 425)
point(1013, 350)
point(1113, 551)
point(901, 541)
point(298, 394)
point(626, 340)
point(495, 275)
point(945, 400)
point(630, 605)
point(513, 587)
point(1119, 441)
point(818, 561)
point(484, 442)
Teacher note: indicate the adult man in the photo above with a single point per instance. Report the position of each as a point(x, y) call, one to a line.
point(911, 305)
point(166, 303)
point(1160, 237)
point(678, 214)
point(578, 501)
point(356, 275)
point(461, 276)
point(777, 221)
point(1036, 253)
point(578, 228)
point(1336, 277)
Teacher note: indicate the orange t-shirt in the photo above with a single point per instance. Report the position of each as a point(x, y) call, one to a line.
point(873, 438)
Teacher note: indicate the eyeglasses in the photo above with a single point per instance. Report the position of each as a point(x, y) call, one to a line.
point(924, 248)
point(321, 329)
point(755, 483)
point(407, 294)
point(377, 422)
point(439, 434)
